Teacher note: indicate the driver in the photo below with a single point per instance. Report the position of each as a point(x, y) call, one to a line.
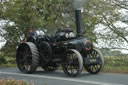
point(31, 33)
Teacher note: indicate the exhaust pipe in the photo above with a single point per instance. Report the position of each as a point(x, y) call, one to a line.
point(79, 29)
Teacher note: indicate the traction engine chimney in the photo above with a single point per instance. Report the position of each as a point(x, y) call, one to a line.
point(79, 29)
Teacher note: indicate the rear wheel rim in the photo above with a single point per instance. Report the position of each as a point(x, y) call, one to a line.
point(25, 59)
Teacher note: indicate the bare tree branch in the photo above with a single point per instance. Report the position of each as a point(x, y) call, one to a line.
point(116, 48)
point(114, 29)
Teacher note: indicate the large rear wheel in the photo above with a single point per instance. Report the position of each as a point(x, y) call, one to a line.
point(94, 62)
point(27, 57)
point(74, 63)
point(45, 51)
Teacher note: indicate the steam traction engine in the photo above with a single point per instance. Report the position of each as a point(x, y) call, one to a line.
point(71, 52)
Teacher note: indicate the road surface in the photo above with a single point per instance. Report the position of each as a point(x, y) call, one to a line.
point(59, 78)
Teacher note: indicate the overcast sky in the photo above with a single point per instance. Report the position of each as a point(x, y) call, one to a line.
point(2, 41)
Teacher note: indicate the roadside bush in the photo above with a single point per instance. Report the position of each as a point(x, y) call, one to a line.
point(2, 59)
point(6, 59)
point(116, 60)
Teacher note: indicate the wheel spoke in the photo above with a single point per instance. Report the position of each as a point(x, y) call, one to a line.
point(50, 67)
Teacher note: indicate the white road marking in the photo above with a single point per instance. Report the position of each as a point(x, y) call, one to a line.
point(60, 78)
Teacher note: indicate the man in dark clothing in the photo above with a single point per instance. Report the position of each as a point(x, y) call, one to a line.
point(35, 33)
point(30, 33)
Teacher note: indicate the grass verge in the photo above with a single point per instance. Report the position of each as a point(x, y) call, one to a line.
point(8, 65)
point(115, 69)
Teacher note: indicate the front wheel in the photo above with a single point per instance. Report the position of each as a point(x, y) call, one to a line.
point(74, 63)
point(94, 62)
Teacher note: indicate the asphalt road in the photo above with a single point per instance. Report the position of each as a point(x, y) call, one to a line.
point(59, 78)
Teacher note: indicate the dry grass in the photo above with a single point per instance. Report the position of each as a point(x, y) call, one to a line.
point(11, 81)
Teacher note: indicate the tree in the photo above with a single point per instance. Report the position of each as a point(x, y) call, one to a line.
point(21, 15)
point(115, 24)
